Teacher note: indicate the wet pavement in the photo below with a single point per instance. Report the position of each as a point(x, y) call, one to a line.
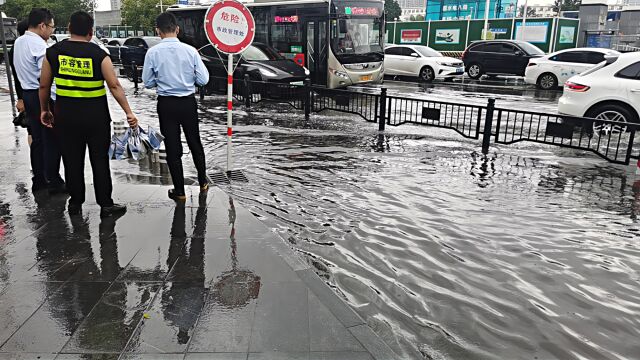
point(528, 252)
point(203, 280)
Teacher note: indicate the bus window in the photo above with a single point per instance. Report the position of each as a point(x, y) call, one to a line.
point(356, 36)
point(284, 35)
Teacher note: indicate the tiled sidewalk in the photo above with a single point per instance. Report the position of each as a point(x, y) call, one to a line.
point(206, 280)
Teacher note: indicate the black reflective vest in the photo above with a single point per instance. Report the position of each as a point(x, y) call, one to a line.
point(77, 70)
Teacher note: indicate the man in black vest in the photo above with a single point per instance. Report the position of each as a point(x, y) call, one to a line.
point(82, 117)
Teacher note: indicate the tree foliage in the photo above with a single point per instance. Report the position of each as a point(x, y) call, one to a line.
point(419, 17)
point(531, 12)
point(61, 9)
point(392, 10)
point(565, 5)
point(141, 14)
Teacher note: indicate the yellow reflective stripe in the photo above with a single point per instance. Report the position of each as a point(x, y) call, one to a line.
point(81, 93)
point(79, 83)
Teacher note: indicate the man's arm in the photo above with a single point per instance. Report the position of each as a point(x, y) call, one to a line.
point(46, 79)
point(202, 74)
point(149, 72)
point(117, 91)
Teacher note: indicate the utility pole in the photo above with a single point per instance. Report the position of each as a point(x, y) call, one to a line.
point(524, 20)
point(486, 19)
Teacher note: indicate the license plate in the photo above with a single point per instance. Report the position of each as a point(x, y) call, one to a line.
point(366, 77)
point(297, 83)
point(459, 70)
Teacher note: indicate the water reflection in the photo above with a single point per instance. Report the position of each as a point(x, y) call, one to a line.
point(234, 288)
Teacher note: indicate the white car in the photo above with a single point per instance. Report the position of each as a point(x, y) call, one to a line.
point(421, 61)
point(610, 91)
point(550, 71)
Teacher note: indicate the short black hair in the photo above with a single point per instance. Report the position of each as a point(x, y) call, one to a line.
point(23, 26)
point(166, 22)
point(39, 16)
point(80, 23)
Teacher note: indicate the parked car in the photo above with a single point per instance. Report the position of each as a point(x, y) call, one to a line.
point(609, 91)
point(421, 61)
point(134, 49)
point(56, 38)
point(113, 45)
point(549, 71)
point(499, 57)
point(260, 61)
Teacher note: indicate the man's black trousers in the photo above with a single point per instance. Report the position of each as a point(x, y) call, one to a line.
point(174, 113)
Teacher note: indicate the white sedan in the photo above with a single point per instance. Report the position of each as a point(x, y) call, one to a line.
point(610, 91)
point(550, 71)
point(421, 61)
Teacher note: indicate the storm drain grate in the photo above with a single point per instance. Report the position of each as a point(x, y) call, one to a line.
point(218, 178)
point(237, 176)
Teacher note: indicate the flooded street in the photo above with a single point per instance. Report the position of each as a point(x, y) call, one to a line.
point(530, 252)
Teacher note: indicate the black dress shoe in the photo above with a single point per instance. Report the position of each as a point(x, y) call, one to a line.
point(113, 210)
point(177, 196)
point(74, 209)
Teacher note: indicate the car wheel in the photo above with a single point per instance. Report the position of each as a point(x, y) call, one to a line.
point(427, 74)
point(611, 112)
point(474, 71)
point(547, 81)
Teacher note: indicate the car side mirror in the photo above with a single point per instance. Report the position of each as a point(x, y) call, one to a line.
point(519, 53)
point(415, 55)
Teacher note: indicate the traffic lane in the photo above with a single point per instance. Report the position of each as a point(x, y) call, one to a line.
point(508, 93)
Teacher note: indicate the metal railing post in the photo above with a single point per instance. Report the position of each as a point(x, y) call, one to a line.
point(383, 110)
point(247, 91)
point(488, 122)
point(632, 136)
point(307, 98)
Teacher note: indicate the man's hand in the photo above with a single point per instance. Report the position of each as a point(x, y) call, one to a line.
point(132, 120)
point(20, 105)
point(46, 118)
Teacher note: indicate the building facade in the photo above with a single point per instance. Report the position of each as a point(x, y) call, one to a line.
point(413, 8)
point(469, 9)
point(116, 5)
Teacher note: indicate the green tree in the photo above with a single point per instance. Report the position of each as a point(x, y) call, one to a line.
point(419, 17)
point(141, 14)
point(412, 18)
point(392, 10)
point(566, 5)
point(61, 9)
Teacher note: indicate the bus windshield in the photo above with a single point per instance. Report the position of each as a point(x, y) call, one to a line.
point(356, 36)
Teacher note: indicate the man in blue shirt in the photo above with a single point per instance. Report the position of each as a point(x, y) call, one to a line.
point(29, 51)
point(175, 69)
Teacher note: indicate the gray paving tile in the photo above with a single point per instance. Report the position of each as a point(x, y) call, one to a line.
point(170, 322)
point(326, 333)
point(277, 355)
point(154, 356)
point(109, 326)
point(216, 356)
point(51, 326)
point(19, 301)
point(372, 343)
point(343, 312)
point(88, 356)
point(281, 321)
point(26, 356)
point(340, 355)
point(224, 326)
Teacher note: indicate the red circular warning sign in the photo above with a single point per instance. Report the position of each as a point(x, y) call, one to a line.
point(229, 26)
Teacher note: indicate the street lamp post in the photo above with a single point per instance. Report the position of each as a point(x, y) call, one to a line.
point(486, 19)
point(524, 20)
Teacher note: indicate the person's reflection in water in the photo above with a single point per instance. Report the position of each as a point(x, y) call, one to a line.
point(635, 204)
point(236, 287)
point(184, 299)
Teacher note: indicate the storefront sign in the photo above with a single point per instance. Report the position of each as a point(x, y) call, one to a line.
point(497, 31)
point(447, 36)
point(413, 36)
point(372, 11)
point(285, 19)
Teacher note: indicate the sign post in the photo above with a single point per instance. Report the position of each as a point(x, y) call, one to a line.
point(230, 28)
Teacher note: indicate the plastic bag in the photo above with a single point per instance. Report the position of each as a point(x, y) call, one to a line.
point(135, 143)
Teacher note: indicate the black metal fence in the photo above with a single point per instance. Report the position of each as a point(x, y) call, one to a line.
point(613, 141)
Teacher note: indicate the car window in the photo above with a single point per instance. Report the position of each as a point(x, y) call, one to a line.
point(428, 52)
point(393, 51)
point(530, 49)
point(630, 72)
point(131, 42)
point(494, 48)
point(570, 56)
point(593, 57)
point(508, 49)
point(480, 47)
point(114, 43)
point(408, 51)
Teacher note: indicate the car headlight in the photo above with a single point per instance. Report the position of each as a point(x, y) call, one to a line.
point(449, 64)
point(341, 74)
point(306, 71)
point(267, 73)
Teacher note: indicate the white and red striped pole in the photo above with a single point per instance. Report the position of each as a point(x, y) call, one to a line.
point(229, 111)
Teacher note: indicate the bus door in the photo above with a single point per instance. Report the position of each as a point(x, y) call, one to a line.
point(316, 56)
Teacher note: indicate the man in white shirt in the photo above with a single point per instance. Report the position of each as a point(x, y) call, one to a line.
point(29, 52)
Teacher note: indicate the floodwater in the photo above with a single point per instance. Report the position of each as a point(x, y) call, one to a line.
point(530, 252)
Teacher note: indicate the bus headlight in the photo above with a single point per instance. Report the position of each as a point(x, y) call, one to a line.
point(267, 73)
point(341, 74)
point(306, 71)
